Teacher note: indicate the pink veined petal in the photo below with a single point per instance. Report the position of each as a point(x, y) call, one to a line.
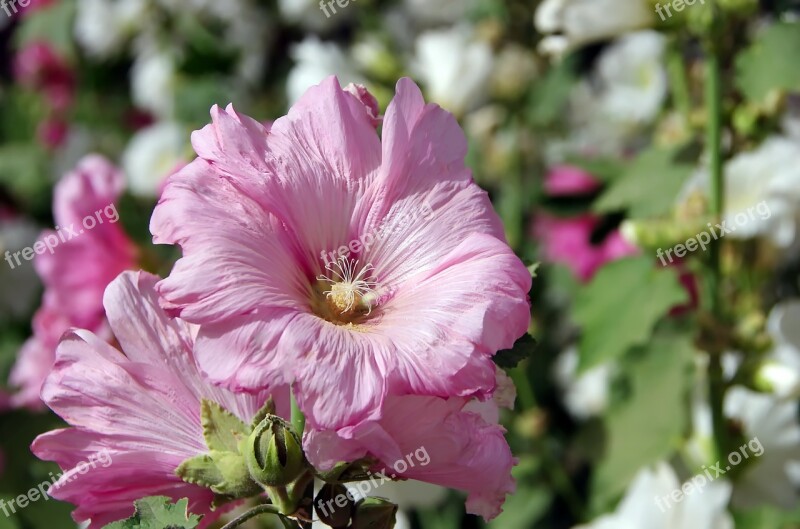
point(467, 308)
point(148, 335)
point(243, 245)
point(432, 440)
point(141, 411)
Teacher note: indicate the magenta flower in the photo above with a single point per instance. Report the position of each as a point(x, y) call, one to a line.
point(567, 180)
point(314, 255)
point(76, 262)
point(135, 417)
point(568, 241)
point(453, 442)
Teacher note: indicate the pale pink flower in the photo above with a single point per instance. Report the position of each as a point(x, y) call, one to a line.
point(567, 180)
point(137, 413)
point(77, 270)
point(429, 292)
point(569, 241)
point(447, 442)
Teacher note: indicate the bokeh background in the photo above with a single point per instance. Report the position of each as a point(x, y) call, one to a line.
point(597, 127)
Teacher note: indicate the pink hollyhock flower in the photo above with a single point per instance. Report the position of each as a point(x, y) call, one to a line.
point(39, 67)
point(316, 256)
point(568, 241)
point(83, 261)
point(567, 180)
point(140, 411)
point(453, 442)
point(52, 133)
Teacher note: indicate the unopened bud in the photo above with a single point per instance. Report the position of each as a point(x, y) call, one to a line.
point(333, 506)
point(779, 379)
point(374, 513)
point(274, 453)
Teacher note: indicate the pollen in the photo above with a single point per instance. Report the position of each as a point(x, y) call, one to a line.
point(350, 292)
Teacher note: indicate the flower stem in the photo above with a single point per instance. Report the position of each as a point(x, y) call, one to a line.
point(252, 513)
point(714, 146)
point(302, 497)
point(298, 419)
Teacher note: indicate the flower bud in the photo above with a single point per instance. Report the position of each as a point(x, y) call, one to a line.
point(778, 379)
point(374, 513)
point(328, 506)
point(274, 453)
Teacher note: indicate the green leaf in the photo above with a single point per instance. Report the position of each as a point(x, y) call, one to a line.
point(619, 308)
point(767, 517)
point(222, 430)
point(770, 63)
point(52, 24)
point(523, 348)
point(523, 508)
point(648, 186)
point(157, 512)
point(650, 424)
point(549, 97)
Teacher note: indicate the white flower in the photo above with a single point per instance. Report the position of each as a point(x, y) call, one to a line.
point(773, 477)
point(579, 22)
point(633, 77)
point(311, 15)
point(153, 82)
point(762, 191)
point(700, 507)
point(585, 395)
point(102, 26)
point(454, 66)
point(19, 283)
point(314, 61)
point(152, 155)
point(514, 70)
point(781, 373)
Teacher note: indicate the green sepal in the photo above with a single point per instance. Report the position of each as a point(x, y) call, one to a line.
point(222, 430)
point(224, 472)
point(267, 409)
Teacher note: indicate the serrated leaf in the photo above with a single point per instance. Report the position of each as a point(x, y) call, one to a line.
point(222, 430)
point(650, 424)
point(648, 187)
point(157, 512)
point(200, 470)
point(770, 63)
point(523, 348)
point(619, 308)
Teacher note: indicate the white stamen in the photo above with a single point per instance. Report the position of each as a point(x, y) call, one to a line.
point(348, 287)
